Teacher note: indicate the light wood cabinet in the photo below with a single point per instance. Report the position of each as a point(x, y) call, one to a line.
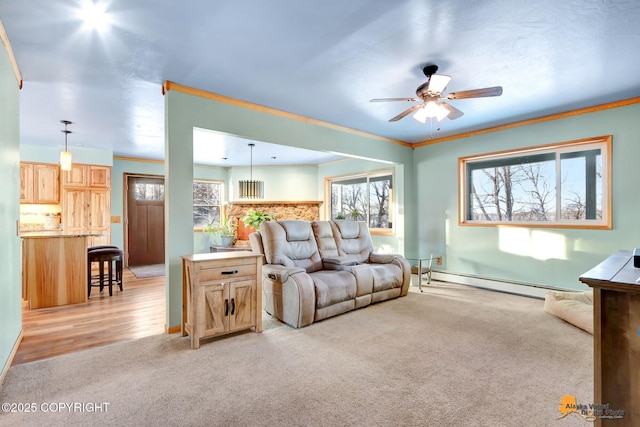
point(39, 183)
point(221, 293)
point(86, 202)
point(54, 270)
point(81, 176)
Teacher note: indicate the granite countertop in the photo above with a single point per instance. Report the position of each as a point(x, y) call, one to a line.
point(57, 233)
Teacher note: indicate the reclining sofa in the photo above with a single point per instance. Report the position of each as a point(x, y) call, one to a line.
point(315, 270)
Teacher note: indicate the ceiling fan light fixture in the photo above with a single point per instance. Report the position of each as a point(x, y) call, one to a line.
point(442, 112)
point(421, 115)
point(431, 109)
point(251, 189)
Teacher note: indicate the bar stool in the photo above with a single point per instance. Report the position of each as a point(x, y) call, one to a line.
point(111, 255)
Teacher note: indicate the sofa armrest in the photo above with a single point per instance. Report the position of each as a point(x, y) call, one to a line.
point(339, 262)
point(279, 273)
point(383, 258)
point(289, 294)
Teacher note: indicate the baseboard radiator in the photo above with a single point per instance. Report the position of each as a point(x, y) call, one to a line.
point(534, 290)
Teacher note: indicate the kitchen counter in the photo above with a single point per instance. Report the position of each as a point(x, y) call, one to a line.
point(54, 268)
point(56, 233)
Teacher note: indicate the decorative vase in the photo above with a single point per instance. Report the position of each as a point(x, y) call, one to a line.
point(226, 241)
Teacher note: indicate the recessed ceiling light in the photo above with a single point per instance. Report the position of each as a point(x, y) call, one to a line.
point(95, 16)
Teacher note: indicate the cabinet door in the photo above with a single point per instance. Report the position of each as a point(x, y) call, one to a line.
point(26, 183)
point(99, 211)
point(99, 176)
point(47, 184)
point(242, 301)
point(213, 309)
point(76, 177)
point(74, 210)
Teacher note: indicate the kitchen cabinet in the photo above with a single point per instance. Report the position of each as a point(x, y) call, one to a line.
point(83, 176)
point(86, 202)
point(39, 183)
point(221, 293)
point(54, 269)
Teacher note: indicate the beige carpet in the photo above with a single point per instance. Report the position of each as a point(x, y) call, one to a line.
point(453, 356)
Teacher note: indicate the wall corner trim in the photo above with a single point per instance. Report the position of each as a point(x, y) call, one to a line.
point(7, 45)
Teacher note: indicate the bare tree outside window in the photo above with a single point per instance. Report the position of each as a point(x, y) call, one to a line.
point(207, 203)
point(363, 198)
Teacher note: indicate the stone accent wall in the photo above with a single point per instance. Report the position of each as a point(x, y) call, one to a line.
point(304, 210)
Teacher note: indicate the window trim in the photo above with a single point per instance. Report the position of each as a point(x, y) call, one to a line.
point(367, 175)
point(603, 224)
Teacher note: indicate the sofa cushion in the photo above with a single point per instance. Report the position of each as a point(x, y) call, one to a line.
point(290, 243)
point(324, 238)
point(333, 286)
point(353, 238)
point(386, 276)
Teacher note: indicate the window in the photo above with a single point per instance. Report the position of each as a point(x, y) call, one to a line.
point(149, 190)
point(366, 197)
point(560, 185)
point(207, 203)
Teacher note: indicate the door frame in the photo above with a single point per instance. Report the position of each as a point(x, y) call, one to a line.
point(125, 204)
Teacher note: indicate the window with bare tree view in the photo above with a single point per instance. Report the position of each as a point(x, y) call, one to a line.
point(560, 185)
point(363, 198)
point(207, 203)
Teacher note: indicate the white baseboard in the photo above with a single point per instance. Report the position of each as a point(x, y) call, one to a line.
point(518, 288)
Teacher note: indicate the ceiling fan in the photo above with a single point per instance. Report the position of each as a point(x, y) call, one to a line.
point(430, 94)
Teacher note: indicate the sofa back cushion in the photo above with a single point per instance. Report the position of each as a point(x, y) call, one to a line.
point(327, 245)
point(353, 239)
point(290, 243)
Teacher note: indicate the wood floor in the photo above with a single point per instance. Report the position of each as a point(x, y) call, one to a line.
point(136, 312)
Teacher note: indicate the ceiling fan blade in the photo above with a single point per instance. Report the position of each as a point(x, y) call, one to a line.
point(476, 93)
point(394, 99)
point(454, 113)
point(437, 83)
point(405, 113)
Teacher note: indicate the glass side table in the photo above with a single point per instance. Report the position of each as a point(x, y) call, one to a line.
point(424, 266)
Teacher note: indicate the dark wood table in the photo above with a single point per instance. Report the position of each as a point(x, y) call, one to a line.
point(616, 334)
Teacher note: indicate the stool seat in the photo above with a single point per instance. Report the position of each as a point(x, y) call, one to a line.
point(93, 248)
point(105, 254)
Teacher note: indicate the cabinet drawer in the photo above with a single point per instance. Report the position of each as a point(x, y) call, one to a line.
point(227, 273)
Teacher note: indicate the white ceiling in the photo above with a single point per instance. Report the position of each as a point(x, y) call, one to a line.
point(324, 60)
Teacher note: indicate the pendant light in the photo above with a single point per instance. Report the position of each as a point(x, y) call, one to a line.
point(65, 156)
point(251, 189)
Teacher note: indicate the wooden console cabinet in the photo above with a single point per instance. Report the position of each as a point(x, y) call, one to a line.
point(616, 337)
point(221, 293)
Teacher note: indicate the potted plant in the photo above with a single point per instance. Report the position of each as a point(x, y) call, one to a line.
point(254, 218)
point(226, 230)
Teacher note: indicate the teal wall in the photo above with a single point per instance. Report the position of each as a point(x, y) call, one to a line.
point(51, 154)
point(554, 257)
point(283, 183)
point(184, 112)
point(10, 260)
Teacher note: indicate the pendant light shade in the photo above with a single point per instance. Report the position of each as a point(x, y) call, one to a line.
point(251, 189)
point(65, 156)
